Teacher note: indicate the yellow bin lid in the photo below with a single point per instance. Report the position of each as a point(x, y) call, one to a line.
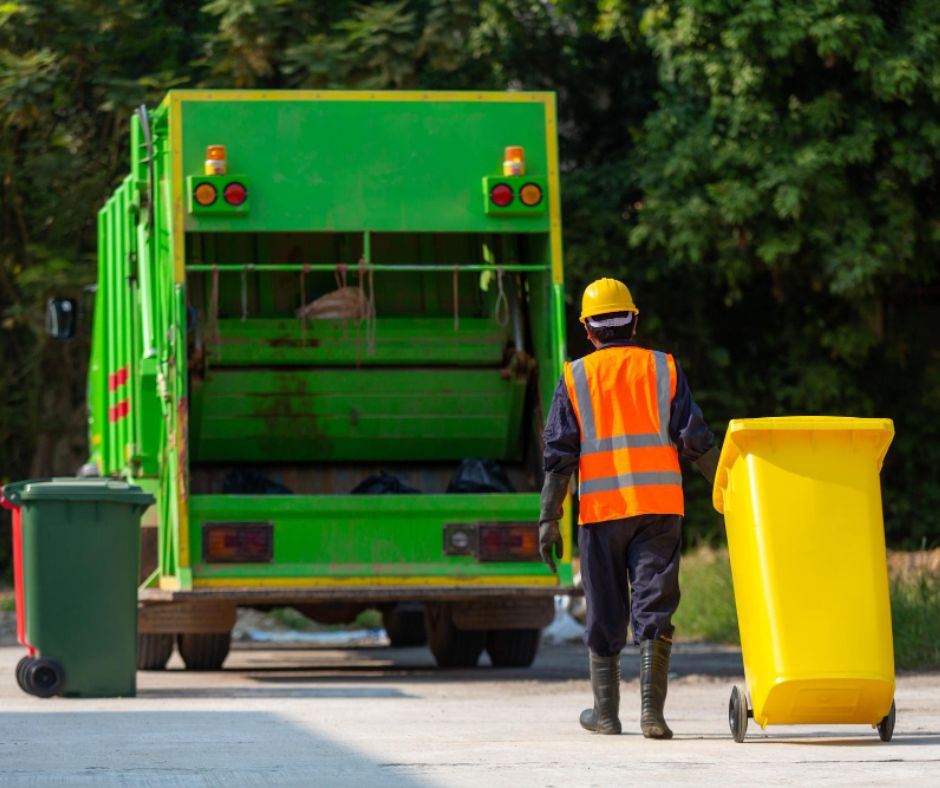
point(731, 450)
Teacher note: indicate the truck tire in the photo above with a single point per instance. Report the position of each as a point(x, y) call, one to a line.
point(204, 651)
point(154, 650)
point(404, 625)
point(513, 648)
point(451, 647)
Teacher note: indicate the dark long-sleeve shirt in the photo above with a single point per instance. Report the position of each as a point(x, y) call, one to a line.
point(687, 427)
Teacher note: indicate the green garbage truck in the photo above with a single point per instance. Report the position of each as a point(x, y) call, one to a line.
point(327, 327)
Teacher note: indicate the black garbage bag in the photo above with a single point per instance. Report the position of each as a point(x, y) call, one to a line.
point(382, 483)
point(480, 476)
point(246, 481)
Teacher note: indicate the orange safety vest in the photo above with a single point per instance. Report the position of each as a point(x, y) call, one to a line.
point(629, 465)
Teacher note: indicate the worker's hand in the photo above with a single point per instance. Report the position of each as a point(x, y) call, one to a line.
point(707, 464)
point(549, 537)
point(554, 490)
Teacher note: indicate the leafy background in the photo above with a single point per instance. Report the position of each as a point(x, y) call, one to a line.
point(763, 173)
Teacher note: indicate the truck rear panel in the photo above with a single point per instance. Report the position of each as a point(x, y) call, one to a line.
point(212, 372)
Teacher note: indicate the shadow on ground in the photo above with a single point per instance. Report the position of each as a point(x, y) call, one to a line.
point(554, 663)
point(816, 739)
point(217, 748)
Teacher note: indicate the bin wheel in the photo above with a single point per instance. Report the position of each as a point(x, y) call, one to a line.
point(154, 650)
point(43, 677)
point(886, 726)
point(512, 648)
point(737, 714)
point(21, 672)
point(204, 651)
point(404, 625)
point(451, 646)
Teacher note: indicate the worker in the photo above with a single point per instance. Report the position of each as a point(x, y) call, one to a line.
point(622, 416)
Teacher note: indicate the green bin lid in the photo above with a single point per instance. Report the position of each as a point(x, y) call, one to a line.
point(72, 489)
point(12, 490)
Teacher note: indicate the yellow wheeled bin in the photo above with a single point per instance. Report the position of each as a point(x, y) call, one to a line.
point(801, 498)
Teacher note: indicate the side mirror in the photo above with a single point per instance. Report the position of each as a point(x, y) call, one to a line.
point(61, 317)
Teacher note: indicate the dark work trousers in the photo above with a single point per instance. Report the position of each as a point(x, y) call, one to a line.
point(643, 550)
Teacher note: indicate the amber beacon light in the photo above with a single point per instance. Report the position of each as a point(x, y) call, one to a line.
point(216, 163)
point(514, 160)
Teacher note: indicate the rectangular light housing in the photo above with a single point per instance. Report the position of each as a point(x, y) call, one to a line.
point(237, 543)
point(493, 540)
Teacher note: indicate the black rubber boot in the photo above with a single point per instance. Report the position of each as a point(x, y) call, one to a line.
point(654, 681)
point(605, 681)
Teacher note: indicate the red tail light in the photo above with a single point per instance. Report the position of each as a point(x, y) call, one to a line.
point(235, 194)
point(226, 543)
point(493, 540)
point(509, 542)
point(501, 195)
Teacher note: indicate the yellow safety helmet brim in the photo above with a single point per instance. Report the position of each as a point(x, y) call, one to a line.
point(604, 296)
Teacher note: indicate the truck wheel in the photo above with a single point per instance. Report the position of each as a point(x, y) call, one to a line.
point(404, 625)
point(512, 648)
point(204, 651)
point(21, 672)
point(154, 650)
point(452, 647)
point(43, 677)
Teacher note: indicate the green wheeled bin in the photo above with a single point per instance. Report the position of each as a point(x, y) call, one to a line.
point(78, 568)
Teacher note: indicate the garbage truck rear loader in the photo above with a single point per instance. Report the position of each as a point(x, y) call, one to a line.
point(302, 290)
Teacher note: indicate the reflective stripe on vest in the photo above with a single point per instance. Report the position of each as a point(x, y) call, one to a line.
point(634, 472)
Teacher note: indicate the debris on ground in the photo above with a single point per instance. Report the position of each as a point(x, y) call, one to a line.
point(564, 628)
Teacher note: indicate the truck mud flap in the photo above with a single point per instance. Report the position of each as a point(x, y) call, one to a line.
point(504, 613)
point(189, 616)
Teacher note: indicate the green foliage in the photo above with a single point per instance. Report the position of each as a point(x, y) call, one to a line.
point(915, 614)
point(796, 137)
point(762, 172)
point(707, 610)
point(789, 170)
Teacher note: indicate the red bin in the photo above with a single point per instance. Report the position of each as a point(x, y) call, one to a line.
point(17, 565)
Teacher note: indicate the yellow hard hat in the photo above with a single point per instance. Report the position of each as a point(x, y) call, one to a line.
point(604, 296)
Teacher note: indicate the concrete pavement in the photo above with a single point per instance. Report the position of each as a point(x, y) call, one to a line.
point(386, 717)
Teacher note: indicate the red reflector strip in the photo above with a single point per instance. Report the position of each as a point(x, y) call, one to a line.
point(118, 378)
point(237, 542)
point(119, 411)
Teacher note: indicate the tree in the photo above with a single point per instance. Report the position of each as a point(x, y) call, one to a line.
point(793, 154)
point(762, 173)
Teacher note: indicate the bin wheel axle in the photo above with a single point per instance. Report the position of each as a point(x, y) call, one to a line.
point(738, 714)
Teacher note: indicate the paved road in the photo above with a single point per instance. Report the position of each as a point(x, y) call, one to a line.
point(385, 717)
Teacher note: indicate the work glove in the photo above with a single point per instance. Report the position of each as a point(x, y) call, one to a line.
point(707, 464)
point(554, 491)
